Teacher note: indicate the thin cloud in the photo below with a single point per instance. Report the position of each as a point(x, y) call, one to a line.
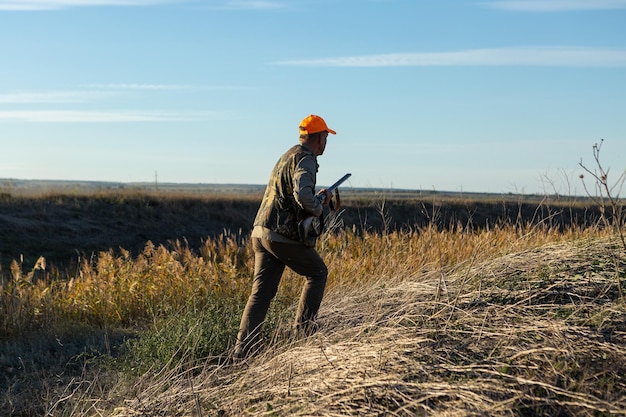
point(140, 86)
point(253, 5)
point(79, 116)
point(556, 5)
point(128, 88)
point(35, 5)
point(41, 5)
point(244, 5)
point(86, 93)
point(50, 97)
point(520, 56)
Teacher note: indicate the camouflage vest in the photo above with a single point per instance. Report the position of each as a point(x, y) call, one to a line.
point(279, 210)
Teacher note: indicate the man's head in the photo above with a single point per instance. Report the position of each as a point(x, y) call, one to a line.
point(313, 133)
point(314, 124)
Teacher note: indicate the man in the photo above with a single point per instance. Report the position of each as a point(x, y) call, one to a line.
point(277, 240)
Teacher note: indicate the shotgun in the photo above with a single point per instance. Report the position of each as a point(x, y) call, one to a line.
point(305, 225)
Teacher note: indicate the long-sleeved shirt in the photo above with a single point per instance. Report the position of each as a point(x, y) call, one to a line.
point(289, 196)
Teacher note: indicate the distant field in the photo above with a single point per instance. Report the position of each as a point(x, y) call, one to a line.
point(65, 221)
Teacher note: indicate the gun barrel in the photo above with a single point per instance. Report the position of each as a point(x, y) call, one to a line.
point(339, 182)
point(333, 187)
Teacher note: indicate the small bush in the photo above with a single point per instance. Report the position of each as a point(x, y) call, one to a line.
point(188, 337)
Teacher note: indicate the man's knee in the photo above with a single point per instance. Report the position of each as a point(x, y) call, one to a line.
point(319, 277)
point(264, 292)
point(323, 271)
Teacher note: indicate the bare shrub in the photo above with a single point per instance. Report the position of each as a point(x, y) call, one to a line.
point(606, 194)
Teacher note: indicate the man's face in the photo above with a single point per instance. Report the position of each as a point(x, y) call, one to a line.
point(323, 139)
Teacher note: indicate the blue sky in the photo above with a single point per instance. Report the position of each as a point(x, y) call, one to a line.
point(449, 95)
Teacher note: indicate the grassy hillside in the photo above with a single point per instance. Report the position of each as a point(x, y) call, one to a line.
point(532, 333)
point(436, 305)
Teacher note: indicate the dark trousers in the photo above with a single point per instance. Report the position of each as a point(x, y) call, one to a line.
point(270, 259)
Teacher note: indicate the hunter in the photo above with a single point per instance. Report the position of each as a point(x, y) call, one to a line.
point(278, 241)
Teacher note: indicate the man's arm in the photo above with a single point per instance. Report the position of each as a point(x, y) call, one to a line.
point(304, 186)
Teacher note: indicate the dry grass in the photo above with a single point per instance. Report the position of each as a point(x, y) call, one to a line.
point(539, 331)
point(122, 290)
point(506, 320)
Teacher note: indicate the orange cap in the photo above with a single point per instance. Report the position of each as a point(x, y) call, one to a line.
point(314, 124)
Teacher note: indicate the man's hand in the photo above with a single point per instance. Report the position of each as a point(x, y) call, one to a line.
point(337, 205)
point(327, 196)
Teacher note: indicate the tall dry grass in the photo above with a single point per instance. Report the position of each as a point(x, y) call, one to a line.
point(533, 326)
point(121, 290)
point(165, 291)
point(126, 291)
point(536, 332)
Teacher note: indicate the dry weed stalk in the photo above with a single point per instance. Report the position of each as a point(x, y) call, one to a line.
point(607, 194)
